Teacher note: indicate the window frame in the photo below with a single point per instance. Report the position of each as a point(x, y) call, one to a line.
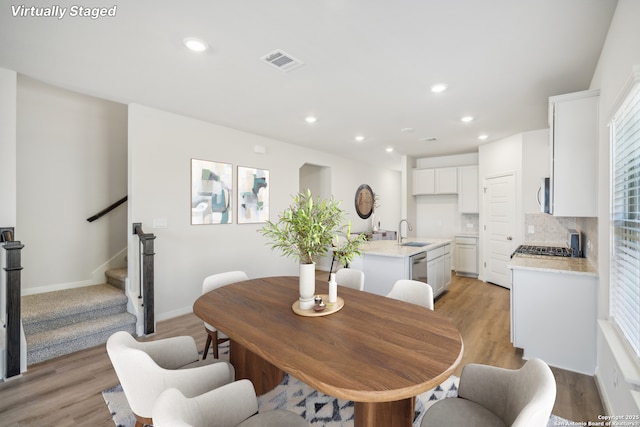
point(624, 209)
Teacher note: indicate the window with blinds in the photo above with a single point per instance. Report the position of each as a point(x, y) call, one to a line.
point(625, 217)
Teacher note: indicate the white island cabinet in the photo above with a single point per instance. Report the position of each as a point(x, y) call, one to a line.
point(384, 262)
point(553, 311)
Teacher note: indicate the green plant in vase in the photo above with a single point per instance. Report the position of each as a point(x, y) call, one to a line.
point(305, 231)
point(345, 249)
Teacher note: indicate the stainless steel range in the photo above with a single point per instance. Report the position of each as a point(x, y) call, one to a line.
point(542, 251)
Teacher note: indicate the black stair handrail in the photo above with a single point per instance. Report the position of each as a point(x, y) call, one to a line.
point(14, 311)
point(146, 276)
point(108, 209)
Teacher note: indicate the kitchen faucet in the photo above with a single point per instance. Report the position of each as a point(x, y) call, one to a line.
point(400, 229)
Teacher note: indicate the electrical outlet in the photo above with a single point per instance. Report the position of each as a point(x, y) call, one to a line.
point(469, 225)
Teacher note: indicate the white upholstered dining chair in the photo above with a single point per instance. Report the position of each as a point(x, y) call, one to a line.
point(351, 278)
point(412, 291)
point(147, 368)
point(496, 397)
point(214, 337)
point(232, 405)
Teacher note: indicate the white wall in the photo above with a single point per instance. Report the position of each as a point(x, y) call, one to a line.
point(620, 53)
point(71, 163)
point(8, 85)
point(447, 161)
point(161, 145)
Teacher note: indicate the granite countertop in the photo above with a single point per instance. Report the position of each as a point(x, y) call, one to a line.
point(391, 247)
point(552, 264)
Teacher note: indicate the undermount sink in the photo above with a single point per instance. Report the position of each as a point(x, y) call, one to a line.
point(416, 244)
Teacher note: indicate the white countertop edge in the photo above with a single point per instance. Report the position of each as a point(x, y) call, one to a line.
point(560, 265)
point(390, 248)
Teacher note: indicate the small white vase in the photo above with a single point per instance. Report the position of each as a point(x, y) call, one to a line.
point(307, 285)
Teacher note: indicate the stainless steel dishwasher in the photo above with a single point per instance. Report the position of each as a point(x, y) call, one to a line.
point(419, 267)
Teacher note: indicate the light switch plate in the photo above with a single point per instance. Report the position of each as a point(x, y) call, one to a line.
point(531, 229)
point(160, 223)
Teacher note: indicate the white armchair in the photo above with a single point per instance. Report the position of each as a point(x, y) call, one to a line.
point(147, 368)
point(351, 278)
point(495, 397)
point(232, 405)
point(412, 291)
point(214, 337)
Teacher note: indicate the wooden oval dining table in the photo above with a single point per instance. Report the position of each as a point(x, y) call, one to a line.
point(375, 351)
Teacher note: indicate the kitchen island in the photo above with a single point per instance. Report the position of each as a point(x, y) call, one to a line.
point(385, 261)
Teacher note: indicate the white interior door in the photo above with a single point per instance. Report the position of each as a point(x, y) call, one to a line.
point(499, 205)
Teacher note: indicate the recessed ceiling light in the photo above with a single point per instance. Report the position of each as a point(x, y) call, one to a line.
point(195, 45)
point(389, 149)
point(483, 136)
point(406, 130)
point(467, 119)
point(310, 119)
point(359, 138)
point(438, 88)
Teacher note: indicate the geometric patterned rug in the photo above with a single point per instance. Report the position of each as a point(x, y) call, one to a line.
point(292, 394)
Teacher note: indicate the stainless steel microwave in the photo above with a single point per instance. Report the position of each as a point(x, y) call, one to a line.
point(544, 195)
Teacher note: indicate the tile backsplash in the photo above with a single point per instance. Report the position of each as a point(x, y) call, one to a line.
point(552, 231)
point(548, 230)
point(589, 229)
point(470, 223)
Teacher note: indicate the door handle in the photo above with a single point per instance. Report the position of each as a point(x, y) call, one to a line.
point(509, 238)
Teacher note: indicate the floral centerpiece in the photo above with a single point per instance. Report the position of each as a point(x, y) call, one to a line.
point(306, 231)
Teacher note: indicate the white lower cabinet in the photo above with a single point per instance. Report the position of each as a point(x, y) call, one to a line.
point(553, 317)
point(439, 269)
point(466, 255)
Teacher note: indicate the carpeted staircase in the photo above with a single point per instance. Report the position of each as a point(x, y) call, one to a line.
point(62, 322)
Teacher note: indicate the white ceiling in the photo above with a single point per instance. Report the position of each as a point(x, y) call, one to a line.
point(368, 65)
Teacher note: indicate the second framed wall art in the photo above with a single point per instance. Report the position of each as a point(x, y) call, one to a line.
point(253, 195)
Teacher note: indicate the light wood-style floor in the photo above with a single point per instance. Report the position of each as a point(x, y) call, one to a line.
point(67, 391)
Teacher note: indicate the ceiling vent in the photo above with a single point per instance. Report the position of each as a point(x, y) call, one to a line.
point(282, 61)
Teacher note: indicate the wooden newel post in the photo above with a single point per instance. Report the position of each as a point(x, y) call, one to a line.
point(148, 283)
point(13, 270)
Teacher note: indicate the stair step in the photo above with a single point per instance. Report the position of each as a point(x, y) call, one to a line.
point(48, 306)
point(117, 277)
point(62, 322)
point(75, 337)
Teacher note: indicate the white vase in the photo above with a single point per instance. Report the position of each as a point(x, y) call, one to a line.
point(307, 285)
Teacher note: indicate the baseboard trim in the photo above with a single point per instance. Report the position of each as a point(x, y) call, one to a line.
point(174, 313)
point(117, 261)
point(604, 397)
point(57, 287)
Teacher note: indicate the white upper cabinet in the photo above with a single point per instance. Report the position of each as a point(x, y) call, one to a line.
point(435, 181)
point(573, 121)
point(468, 188)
